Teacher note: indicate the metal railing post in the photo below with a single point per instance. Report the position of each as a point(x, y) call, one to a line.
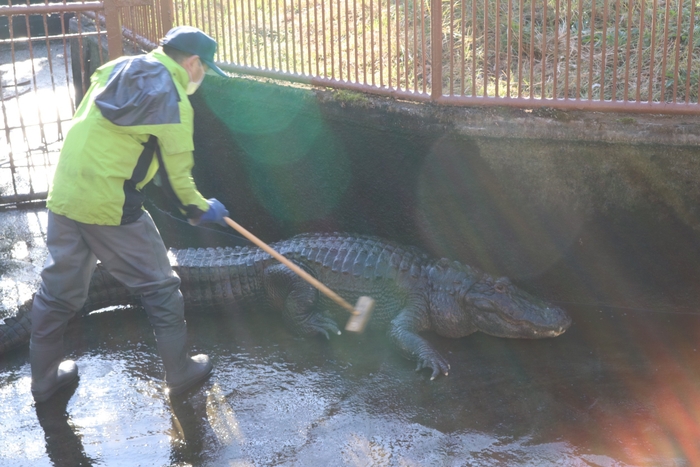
point(166, 15)
point(113, 24)
point(436, 48)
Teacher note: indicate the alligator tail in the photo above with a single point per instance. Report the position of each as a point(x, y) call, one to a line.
point(15, 330)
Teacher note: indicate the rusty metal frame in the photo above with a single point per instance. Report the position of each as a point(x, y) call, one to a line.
point(29, 157)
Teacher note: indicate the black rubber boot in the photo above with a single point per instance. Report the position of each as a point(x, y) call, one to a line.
point(49, 373)
point(182, 372)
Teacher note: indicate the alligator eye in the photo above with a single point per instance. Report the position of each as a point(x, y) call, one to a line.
point(500, 288)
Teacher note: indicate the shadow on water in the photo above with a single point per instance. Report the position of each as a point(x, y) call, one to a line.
point(618, 388)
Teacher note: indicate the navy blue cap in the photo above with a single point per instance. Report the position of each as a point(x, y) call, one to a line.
point(191, 40)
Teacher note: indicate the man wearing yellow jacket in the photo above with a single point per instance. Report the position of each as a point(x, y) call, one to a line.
point(135, 121)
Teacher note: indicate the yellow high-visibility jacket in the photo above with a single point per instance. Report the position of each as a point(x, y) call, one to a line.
point(135, 121)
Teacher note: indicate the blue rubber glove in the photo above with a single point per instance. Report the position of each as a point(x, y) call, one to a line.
point(214, 214)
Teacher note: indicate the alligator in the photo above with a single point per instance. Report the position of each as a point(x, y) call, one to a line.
point(413, 293)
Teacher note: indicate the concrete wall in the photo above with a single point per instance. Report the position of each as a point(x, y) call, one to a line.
point(580, 207)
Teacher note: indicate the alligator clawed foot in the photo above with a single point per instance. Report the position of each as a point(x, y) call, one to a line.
point(320, 324)
point(435, 362)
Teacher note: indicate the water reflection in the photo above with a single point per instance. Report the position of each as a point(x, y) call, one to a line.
point(63, 445)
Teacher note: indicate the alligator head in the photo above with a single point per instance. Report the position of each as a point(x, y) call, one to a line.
point(504, 310)
point(467, 300)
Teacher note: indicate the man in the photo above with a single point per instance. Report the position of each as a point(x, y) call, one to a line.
point(135, 121)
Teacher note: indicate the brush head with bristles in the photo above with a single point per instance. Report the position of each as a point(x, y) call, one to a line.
point(359, 319)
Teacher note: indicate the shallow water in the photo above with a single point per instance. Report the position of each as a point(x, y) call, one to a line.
point(619, 388)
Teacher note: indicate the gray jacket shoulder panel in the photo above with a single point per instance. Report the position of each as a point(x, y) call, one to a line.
point(139, 91)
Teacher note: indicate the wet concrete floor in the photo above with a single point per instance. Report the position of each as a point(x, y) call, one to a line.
point(619, 388)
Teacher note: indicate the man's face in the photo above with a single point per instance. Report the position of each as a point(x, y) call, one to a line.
point(195, 68)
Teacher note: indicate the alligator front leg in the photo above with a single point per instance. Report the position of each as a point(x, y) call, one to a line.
point(296, 299)
point(404, 330)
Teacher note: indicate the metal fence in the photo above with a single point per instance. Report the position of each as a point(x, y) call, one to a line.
point(40, 79)
point(623, 55)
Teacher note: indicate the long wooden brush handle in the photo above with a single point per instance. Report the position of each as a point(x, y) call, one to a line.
point(304, 275)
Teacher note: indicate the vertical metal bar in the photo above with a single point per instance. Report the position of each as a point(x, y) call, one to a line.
point(627, 52)
point(354, 19)
point(520, 50)
point(235, 42)
point(65, 58)
point(308, 36)
point(678, 48)
point(316, 44)
point(603, 49)
point(113, 25)
point(424, 47)
point(452, 47)
point(34, 83)
point(220, 35)
point(199, 11)
point(653, 50)
point(227, 29)
point(364, 41)
point(28, 153)
point(398, 47)
point(436, 45)
point(225, 33)
point(249, 32)
point(662, 98)
point(555, 64)
point(50, 61)
point(509, 42)
point(347, 39)
point(371, 36)
point(44, 151)
point(592, 51)
point(474, 26)
point(325, 56)
point(279, 36)
point(332, 39)
point(270, 34)
point(13, 167)
point(486, 47)
point(265, 34)
point(531, 75)
point(579, 50)
point(254, 36)
point(640, 50)
point(6, 126)
point(381, 50)
point(497, 49)
point(613, 91)
point(388, 41)
point(81, 50)
point(567, 62)
point(464, 47)
point(340, 42)
point(415, 47)
point(406, 53)
point(286, 35)
point(690, 55)
point(543, 91)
